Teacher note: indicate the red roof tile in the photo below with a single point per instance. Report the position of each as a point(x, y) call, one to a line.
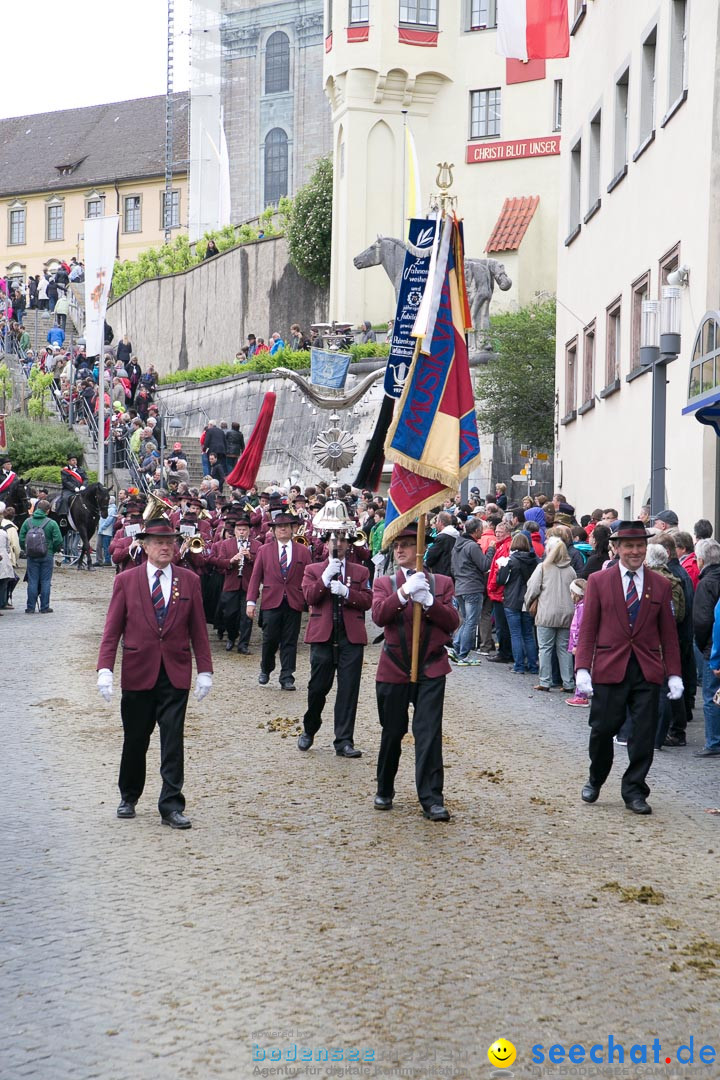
point(511, 226)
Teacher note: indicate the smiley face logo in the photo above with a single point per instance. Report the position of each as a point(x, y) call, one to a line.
point(501, 1054)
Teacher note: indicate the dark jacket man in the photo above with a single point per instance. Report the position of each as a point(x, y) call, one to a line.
point(469, 562)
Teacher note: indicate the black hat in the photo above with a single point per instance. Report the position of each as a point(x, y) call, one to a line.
point(158, 528)
point(630, 530)
point(283, 519)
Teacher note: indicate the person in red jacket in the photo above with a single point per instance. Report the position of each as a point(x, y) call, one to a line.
point(157, 610)
point(338, 593)
point(235, 557)
point(392, 608)
point(686, 555)
point(503, 539)
point(279, 569)
point(627, 646)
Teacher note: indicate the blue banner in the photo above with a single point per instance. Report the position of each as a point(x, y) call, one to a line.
point(412, 287)
point(329, 368)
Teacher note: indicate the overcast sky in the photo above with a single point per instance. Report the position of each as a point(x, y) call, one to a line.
point(89, 52)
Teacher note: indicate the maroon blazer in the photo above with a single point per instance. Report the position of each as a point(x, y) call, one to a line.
point(438, 624)
point(606, 640)
point(266, 572)
point(132, 617)
point(220, 557)
point(320, 600)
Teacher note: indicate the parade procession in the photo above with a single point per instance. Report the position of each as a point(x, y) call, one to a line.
point(360, 541)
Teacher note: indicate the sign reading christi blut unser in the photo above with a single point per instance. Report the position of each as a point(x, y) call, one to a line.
point(479, 153)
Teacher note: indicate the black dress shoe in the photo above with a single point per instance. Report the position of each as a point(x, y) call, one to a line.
point(263, 678)
point(126, 809)
point(590, 793)
point(500, 660)
point(639, 806)
point(437, 813)
point(176, 820)
point(305, 741)
point(348, 750)
point(287, 685)
point(675, 740)
point(243, 649)
point(229, 646)
point(381, 803)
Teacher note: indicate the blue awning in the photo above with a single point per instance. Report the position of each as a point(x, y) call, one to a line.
point(707, 409)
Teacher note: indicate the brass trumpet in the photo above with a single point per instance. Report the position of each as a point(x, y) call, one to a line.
point(197, 545)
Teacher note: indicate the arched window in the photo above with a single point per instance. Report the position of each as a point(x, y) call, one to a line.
point(276, 166)
point(705, 362)
point(277, 63)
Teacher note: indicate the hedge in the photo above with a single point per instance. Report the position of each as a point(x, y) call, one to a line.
point(32, 443)
point(50, 474)
point(265, 363)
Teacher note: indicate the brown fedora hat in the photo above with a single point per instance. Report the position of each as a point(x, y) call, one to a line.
point(630, 530)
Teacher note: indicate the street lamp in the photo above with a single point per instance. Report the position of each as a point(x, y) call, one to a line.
point(660, 345)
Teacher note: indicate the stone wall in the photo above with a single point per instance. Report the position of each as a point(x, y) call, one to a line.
point(204, 315)
point(296, 424)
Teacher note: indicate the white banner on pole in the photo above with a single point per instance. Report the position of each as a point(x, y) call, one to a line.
point(100, 247)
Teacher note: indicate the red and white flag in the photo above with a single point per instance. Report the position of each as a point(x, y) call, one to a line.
point(533, 29)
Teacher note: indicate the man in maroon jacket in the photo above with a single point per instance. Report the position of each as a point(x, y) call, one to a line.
point(279, 568)
point(338, 593)
point(392, 609)
point(157, 610)
point(235, 557)
point(628, 645)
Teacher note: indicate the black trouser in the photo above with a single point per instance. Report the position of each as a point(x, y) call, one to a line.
point(281, 626)
point(503, 631)
point(610, 703)
point(232, 615)
point(325, 660)
point(394, 700)
point(165, 706)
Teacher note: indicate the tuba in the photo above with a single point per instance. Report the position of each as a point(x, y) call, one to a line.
point(156, 507)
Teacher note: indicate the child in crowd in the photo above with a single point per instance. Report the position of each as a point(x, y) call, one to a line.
point(577, 591)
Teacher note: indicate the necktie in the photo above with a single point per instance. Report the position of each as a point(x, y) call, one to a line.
point(283, 560)
point(158, 599)
point(632, 601)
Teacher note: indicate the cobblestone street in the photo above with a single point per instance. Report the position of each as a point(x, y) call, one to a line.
point(293, 914)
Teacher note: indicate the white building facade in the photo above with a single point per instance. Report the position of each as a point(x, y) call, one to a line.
point(432, 65)
point(640, 201)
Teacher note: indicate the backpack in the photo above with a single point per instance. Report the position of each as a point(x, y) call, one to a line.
point(36, 542)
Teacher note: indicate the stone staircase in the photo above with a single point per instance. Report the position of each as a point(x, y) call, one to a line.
point(37, 323)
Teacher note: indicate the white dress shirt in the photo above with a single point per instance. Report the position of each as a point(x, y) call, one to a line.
point(165, 580)
point(288, 546)
point(639, 580)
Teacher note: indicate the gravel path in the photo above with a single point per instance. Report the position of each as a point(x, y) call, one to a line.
point(292, 914)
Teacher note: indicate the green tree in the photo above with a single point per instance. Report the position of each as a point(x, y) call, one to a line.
point(516, 390)
point(310, 225)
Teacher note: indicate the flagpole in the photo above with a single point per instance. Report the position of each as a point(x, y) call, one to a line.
point(404, 226)
point(417, 608)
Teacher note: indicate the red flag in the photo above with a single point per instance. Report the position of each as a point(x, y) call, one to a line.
point(533, 29)
point(247, 467)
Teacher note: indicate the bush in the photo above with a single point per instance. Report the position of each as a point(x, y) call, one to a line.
point(310, 225)
point(50, 474)
point(265, 363)
point(176, 257)
point(32, 443)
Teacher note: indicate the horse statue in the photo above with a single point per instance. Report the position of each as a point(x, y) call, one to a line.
point(83, 514)
point(481, 275)
point(17, 497)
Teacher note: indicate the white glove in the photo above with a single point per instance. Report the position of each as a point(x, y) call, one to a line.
point(676, 688)
point(425, 598)
point(338, 589)
point(583, 682)
point(105, 683)
point(333, 568)
point(203, 685)
point(415, 584)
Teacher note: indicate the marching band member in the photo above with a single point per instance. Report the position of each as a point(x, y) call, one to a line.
point(279, 569)
point(235, 558)
point(338, 592)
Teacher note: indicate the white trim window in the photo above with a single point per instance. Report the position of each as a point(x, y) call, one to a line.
point(485, 113)
point(419, 12)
